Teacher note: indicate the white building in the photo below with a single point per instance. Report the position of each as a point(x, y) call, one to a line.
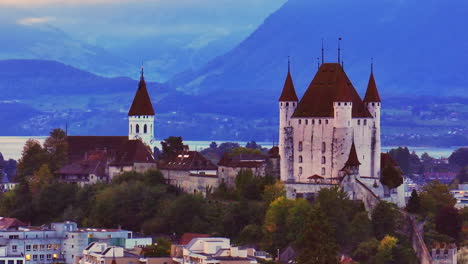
point(141, 115)
point(213, 250)
point(7, 256)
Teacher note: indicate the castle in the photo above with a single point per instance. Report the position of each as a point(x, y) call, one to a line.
point(329, 132)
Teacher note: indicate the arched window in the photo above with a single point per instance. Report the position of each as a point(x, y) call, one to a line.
point(359, 122)
point(137, 129)
point(300, 159)
point(145, 129)
point(324, 160)
point(323, 171)
point(300, 145)
point(131, 129)
point(365, 122)
point(300, 170)
point(324, 147)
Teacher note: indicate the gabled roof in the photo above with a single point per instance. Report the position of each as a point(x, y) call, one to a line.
point(132, 151)
point(242, 160)
point(330, 84)
point(288, 93)
point(141, 103)
point(79, 147)
point(10, 223)
point(352, 158)
point(372, 94)
point(187, 160)
point(85, 167)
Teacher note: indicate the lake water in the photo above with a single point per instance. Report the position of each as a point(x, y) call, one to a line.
point(11, 147)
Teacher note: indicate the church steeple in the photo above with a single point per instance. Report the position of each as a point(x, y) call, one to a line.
point(372, 94)
point(141, 105)
point(289, 92)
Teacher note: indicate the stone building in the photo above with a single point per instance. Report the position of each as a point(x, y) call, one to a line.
point(190, 171)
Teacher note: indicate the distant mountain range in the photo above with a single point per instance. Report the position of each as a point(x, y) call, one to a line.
point(419, 47)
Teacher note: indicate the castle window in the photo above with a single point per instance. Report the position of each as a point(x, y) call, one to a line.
point(326, 121)
point(359, 122)
point(339, 103)
point(365, 122)
point(281, 104)
point(300, 146)
point(287, 104)
point(324, 160)
point(300, 159)
point(320, 121)
point(300, 170)
point(323, 171)
point(373, 104)
point(324, 147)
point(307, 121)
point(145, 129)
point(137, 129)
point(294, 104)
point(300, 121)
point(313, 121)
point(345, 103)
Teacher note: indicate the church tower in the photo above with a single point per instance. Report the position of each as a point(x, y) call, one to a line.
point(373, 104)
point(141, 115)
point(287, 105)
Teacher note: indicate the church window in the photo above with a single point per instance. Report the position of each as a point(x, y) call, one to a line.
point(137, 129)
point(300, 146)
point(365, 122)
point(323, 171)
point(324, 147)
point(145, 129)
point(359, 122)
point(131, 128)
point(300, 170)
point(300, 121)
point(324, 160)
point(300, 159)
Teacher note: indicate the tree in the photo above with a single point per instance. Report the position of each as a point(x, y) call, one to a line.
point(462, 176)
point(449, 222)
point(414, 203)
point(384, 218)
point(360, 229)
point(391, 177)
point(172, 146)
point(248, 186)
point(434, 197)
point(385, 250)
point(366, 250)
point(242, 150)
point(31, 160)
point(459, 157)
point(162, 248)
point(297, 216)
point(402, 157)
point(213, 145)
point(41, 178)
point(273, 192)
point(57, 148)
point(317, 245)
point(275, 224)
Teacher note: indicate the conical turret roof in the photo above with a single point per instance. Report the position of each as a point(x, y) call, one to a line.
point(289, 92)
point(372, 94)
point(141, 103)
point(352, 158)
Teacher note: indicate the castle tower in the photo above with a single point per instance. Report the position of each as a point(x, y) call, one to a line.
point(373, 104)
point(141, 115)
point(287, 104)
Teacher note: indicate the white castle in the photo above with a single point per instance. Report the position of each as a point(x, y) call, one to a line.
point(330, 132)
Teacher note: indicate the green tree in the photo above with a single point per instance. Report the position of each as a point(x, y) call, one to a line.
point(402, 156)
point(434, 197)
point(32, 158)
point(242, 150)
point(391, 177)
point(57, 148)
point(162, 248)
point(462, 176)
point(273, 192)
point(385, 250)
point(248, 186)
point(459, 157)
point(275, 224)
point(296, 217)
point(41, 179)
point(360, 229)
point(384, 218)
point(414, 204)
point(317, 245)
point(449, 222)
point(172, 146)
point(366, 251)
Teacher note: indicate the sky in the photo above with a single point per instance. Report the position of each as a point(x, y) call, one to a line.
point(102, 21)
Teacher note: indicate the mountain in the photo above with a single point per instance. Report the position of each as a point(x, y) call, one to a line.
point(46, 42)
point(418, 47)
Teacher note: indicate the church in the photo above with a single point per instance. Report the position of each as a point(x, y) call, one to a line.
point(329, 133)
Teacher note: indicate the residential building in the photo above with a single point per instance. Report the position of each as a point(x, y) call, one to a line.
point(8, 256)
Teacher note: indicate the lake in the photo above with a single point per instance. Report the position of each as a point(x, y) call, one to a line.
point(11, 147)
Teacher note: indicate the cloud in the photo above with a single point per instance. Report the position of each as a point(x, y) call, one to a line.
point(28, 21)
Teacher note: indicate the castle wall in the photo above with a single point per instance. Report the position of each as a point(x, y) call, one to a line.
point(141, 121)
point(286, 144)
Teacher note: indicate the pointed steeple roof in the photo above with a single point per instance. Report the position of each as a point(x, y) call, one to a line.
point(289, 92)
point(372, 94)
point(141, 103)
point(352, 158)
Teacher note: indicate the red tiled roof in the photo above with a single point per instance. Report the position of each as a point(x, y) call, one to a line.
point(133, 151)
point(289, 93)
point(188, 160)
point(352, 158)
point(242, 161)
point(330, 84)
point(187, 237)
point(372, 94)
point(141, 103)
point(9, 223)
point(85, 167)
